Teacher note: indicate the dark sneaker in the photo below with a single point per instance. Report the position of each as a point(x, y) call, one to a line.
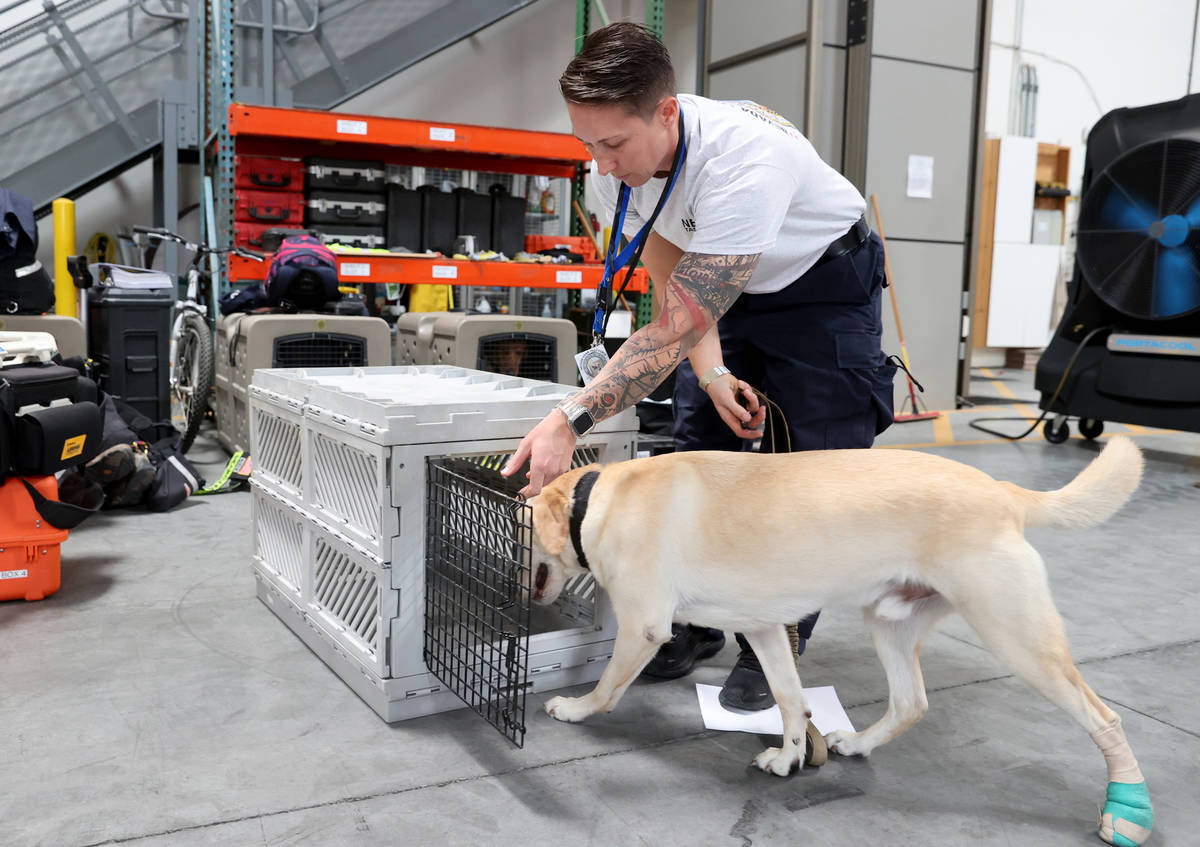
point(688, 645)
point(112, 465)
point(77, 491)
point(746, 686)
point(130, 490)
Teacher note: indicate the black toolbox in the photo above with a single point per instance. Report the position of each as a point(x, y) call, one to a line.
point(344, 175)
point(367, 237)
point(473, 216)
point(508, 221)
point(438, 219)
point(403, 219)
point(350, 208)
point(129, 332)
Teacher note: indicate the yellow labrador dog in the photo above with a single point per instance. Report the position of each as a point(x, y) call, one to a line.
point(750, 543)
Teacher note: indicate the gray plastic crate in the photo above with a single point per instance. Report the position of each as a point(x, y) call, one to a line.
point(339, 518)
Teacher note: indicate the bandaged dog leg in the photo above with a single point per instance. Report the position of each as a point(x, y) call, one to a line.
point(1127, 817)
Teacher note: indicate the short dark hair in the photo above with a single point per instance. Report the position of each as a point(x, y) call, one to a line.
point(622, 63)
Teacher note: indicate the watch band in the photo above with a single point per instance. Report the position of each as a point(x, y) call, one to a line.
point(719, 370)
point(579, 419)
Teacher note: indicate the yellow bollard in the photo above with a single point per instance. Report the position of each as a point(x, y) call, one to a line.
point(66, 298)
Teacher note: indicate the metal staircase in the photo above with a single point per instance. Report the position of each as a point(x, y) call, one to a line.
point(95, 86)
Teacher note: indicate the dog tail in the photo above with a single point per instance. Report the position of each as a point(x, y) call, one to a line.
point(1094, 496)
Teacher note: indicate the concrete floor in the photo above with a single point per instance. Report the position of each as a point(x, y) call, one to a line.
point(155, 701)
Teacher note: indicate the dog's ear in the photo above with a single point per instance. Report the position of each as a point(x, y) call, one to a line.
point(550, 519)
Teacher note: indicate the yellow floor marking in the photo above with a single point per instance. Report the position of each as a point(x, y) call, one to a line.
point(942, 432)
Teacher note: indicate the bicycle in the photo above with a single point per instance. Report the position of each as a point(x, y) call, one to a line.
point(192, 364)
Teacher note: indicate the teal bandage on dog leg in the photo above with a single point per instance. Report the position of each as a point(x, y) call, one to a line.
point(1127, 817)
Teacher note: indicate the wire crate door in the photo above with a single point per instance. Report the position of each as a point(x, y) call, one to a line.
point(477, 564)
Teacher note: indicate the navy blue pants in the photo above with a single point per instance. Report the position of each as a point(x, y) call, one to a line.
point(815, 349)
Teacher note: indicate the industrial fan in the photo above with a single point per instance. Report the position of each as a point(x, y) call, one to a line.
point(1128, 346)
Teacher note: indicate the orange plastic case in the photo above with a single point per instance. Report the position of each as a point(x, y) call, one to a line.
point(29, 547)
point(580, 244)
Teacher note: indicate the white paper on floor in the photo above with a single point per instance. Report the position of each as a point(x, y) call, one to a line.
point(827, 713)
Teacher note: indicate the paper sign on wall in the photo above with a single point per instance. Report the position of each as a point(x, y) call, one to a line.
point(920, 177)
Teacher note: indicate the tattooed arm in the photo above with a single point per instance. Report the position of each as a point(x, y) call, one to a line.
point(700, 290)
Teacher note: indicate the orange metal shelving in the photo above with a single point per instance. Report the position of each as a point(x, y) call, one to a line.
point(273, 131)
point(356, 268)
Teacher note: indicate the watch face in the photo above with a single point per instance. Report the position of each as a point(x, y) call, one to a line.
point(583, 422)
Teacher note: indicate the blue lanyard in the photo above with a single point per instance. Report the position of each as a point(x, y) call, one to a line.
point(614, 261)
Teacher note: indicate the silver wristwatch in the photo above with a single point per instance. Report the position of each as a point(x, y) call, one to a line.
point(579, 419)
point(706, 380)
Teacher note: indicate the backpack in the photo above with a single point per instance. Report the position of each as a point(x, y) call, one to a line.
point(25, 287)
point(303, 275)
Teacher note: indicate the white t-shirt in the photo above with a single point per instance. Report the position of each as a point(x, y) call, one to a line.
point(750, 183)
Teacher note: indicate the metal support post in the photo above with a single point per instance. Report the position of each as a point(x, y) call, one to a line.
point(268, 52)
point(166, 183)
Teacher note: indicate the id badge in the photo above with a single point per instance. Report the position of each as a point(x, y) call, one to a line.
point(591, 361)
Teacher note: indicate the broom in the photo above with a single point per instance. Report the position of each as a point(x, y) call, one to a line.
point(916, 414)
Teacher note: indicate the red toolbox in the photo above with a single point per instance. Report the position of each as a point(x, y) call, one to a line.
point(253, 235)
point(269, 207)
point(580, 244)
point(271, 174)
point(29, 546)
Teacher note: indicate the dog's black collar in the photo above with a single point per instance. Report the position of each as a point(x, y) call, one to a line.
point(579, 501)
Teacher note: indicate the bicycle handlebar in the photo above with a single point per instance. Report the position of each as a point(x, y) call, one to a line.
point(200, 250)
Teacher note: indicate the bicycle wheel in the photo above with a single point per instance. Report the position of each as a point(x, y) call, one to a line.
point(191, 377)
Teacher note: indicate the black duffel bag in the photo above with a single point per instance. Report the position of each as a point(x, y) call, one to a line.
point(57, 438)
point(46, 440)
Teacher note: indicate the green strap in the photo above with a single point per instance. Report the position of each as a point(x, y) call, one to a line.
point(222, 485)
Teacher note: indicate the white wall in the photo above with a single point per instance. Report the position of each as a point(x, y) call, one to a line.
point(505, 75)
point(1131, 53)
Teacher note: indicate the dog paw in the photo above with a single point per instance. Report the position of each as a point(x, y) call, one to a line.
point(569, 709)
point(774, 760)
point(847, 743)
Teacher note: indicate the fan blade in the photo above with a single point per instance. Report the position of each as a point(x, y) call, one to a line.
point(1121, 212)
point(1193, 214)
point(1176, 283)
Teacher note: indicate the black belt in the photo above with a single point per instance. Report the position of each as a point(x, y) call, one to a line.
point(847, 243)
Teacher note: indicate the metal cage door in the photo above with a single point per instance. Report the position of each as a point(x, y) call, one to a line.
point(477, 577)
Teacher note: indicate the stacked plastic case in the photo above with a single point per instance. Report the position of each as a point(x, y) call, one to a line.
point(340, 514)
point(346, 201)
point(270, 193)
point(529, 347)
point(245, 343)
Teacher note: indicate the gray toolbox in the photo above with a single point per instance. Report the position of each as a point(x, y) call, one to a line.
point(345, 208)
point(367, 237)
point(322, 174)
